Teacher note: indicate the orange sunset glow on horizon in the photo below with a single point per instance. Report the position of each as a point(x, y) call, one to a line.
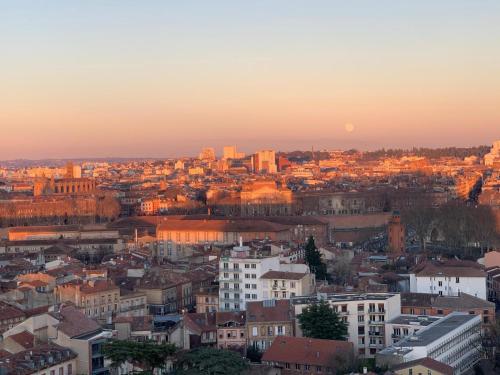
point(159, 79)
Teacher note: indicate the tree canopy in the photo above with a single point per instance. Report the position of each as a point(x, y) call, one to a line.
point(150, 355)
point(320, 321)
point(314, 260)
point(211, 361)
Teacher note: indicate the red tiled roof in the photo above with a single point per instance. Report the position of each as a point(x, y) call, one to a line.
point(223, 225)
point(200, 322)
point(270, 311)
point(450, 270)
point(307, 351)
point(24, 338)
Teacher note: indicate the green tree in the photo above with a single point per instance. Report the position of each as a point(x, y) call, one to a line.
point(211, 361)
point(254, 354)
point(149, 355)
point(313, 259)
point(320, 321)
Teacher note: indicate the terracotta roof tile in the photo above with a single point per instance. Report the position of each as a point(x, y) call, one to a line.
point(307, 351)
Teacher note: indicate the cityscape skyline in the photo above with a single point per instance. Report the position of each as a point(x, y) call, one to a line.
point(160, 80)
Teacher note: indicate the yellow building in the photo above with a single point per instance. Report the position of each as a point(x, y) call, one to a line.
point(98, 299)
point(423, 366)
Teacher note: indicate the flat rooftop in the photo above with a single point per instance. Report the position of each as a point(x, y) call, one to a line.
point(431, 333)
point(347, 297)
point(420, 320)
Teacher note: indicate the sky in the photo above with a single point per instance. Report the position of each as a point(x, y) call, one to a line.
point(94, 78)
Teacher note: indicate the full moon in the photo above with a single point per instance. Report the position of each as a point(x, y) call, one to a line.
point(349, 128)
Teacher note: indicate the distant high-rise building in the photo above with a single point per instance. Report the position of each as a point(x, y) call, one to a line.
point(73, 171)
point(229, 152)
point(493, 156)
point(207, 154)
point(265, 161)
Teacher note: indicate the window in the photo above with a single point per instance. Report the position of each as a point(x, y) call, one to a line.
point(254, 331)
point(70, 369)
point(254, 265)
point(61, 370)
point(440, 312)
point(457, 280)
point(247, 265)
point(361, 318)
point(440, 283)
point(297, 366)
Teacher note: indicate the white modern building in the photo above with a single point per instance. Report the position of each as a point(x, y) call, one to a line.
point(283, 284)
point(454, 340)
point(449, 280)
point(239, 277)
point(365, 315)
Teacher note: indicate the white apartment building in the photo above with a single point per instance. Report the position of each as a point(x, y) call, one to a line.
point(365, 315)
point(446, 280)
point(454, 340)
point(404, 326)
point(284, 285)
point(239, 277)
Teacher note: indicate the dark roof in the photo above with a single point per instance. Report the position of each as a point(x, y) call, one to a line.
point(283, 275)
point(269, 311)
point(45, 228)
point(223, 317)
point(306, 351)
point(428, 362)
point(463, 301)
point(74, 323)
point(34, 360)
